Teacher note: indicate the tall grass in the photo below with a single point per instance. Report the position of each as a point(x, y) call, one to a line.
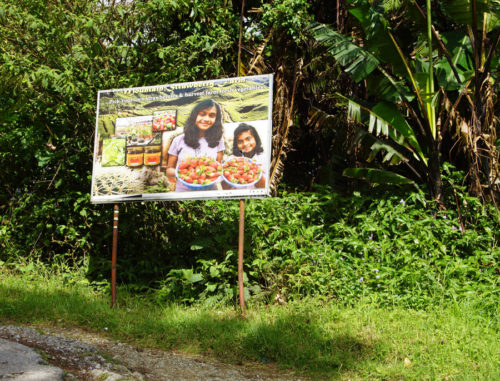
point(319, 339)
point(382, 284)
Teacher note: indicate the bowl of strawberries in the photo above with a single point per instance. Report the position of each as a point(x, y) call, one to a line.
point(241, 172)
point(198, 173)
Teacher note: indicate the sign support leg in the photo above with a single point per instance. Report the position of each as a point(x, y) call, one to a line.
point(240, 256)
point(241, 287)
point(113, 256)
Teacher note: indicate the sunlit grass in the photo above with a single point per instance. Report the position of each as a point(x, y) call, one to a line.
point(323, 340)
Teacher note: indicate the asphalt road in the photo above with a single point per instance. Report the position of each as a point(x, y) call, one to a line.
point(21, 363)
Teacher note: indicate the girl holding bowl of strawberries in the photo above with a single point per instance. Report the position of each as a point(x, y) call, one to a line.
point(202, 137)
point(247, 143)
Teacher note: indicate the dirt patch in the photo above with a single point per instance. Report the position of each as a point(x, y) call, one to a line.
point(89, 356)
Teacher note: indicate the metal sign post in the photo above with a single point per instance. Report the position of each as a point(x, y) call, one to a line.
point(113, 256)
point(241, 287)
point(240, 256)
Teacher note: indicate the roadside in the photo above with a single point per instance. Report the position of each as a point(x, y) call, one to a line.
point(87, 356)
point(19, 362)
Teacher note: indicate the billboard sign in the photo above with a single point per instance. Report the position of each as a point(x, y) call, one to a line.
point(184, 141)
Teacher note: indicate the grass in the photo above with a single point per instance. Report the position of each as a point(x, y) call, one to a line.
point(323, 341)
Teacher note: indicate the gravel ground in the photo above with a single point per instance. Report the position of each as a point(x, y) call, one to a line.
point(88, 356)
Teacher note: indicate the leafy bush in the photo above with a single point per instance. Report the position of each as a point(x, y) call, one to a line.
point(56, 59)
point(393, 249)
point(383, 246)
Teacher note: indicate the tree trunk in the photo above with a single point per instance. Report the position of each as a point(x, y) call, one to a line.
point(435, 183)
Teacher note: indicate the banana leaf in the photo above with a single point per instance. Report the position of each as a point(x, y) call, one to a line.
point(459, 48)
point(359, 62)
point(461, 11)
point(371, 16)
point(382, 86)
point(384, 118)
point(378, 176)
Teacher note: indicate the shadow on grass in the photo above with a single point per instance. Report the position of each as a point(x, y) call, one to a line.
point(281, 336)
point(292, 340)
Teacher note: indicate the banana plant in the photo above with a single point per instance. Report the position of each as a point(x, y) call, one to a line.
point(473, 109)
point(408, 105)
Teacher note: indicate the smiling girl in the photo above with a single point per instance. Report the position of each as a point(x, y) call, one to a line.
point(247, 143)
point(202, 137)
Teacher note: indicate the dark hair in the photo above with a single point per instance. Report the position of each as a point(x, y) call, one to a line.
point(243, 127)
point(213, 134)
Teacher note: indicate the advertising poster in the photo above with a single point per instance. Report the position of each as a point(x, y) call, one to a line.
point(184, 141)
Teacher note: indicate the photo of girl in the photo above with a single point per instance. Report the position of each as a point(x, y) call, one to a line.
point(203, 136)
point(247, 143)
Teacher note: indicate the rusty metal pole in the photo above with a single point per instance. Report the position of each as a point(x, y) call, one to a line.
point(240, 256)
point(241, 237)
point(113, 256)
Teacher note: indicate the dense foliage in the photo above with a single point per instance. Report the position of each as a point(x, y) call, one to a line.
point(394, 248)
point(391, 247)
point(54, 60)
point(391, 243)
point(426, 88)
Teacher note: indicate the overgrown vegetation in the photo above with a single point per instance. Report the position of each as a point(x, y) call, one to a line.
point(354, 280)
point(324, 341)
point(392, 244)
point(395, 248)
point(427, 87)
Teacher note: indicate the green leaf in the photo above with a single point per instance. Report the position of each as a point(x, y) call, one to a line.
point(379, 176)
point(461, 11)
point(214, 272)
point(385, 118)
point(392, 116)
point(27, 268)
point(211, 287)
point(200, 243)
point(190, 276)
point(392, 155)
point(387, 88)
point(360, 62)
point(246, 293)
point(458, 45)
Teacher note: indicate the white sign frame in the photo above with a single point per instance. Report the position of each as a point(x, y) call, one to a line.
point(116, 181)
